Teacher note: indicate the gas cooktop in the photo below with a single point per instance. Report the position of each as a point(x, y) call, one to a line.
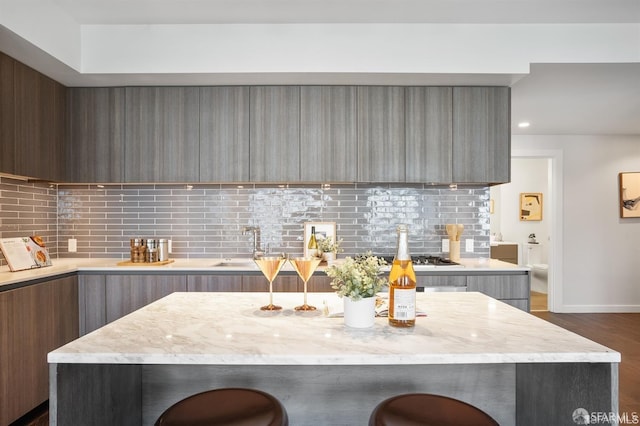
point(426, 260)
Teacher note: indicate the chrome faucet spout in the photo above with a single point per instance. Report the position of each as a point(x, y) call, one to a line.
point(257, 250)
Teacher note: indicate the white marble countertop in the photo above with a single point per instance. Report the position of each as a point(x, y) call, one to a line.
point(70, 265)
point(229, 328)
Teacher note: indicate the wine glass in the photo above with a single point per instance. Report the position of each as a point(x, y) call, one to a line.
point(305, 267)
point(270, 266)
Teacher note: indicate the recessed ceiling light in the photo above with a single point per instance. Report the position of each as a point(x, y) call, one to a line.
point(524, 124)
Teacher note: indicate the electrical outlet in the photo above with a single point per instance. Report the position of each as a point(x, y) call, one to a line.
point(73, 245)
point(469, 245)
point(445, 245)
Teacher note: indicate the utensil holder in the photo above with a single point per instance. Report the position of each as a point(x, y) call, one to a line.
point(454, 250)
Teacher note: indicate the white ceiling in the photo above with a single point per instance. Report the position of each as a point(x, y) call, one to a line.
point(592, 99)
point(555, 98)
point(351, 11)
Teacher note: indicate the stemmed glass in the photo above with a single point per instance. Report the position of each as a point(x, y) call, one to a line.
point(305, 267)
point(270, 266)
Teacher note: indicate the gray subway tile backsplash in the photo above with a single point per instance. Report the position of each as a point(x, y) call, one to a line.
point(207, 220)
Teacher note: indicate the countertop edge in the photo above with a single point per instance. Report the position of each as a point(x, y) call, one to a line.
point(109, 265)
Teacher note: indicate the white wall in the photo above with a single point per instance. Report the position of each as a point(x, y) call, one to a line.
point(527, 175)
point(600, 251)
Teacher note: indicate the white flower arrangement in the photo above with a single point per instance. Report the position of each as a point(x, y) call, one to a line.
point(327, 245)
point(357, 278)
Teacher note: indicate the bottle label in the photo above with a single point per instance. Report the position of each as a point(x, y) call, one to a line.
point(404, 304)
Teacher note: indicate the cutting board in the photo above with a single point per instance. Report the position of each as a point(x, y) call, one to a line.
point(129, 263)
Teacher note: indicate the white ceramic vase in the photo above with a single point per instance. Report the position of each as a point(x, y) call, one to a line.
point(329, 257)
point(360, 313)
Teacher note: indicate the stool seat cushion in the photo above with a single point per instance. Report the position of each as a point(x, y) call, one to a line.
point(421, 409)
point(229, 407)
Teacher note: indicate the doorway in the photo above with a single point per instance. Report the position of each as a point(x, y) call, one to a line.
point(539, 241)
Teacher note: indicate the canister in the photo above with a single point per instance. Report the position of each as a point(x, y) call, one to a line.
point(163, 249)
point(138, 250)
point(152, 251)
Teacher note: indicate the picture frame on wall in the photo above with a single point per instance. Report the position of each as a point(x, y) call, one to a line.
point(530, 206)
point(629, 190)
point(323, 230)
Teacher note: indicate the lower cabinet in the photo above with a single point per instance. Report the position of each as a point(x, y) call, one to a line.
point(128, 293)
point(505, 252)
point(512, 289)
point(34, 320)
point(105, 298)
point(319, 284)
point(441, 282)
point(91, 302)
point(214, 283)
point(282, 283)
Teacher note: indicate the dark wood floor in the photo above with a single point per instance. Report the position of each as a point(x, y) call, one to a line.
point(620, 332)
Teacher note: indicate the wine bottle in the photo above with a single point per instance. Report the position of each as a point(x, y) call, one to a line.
point(402, 284)
point(313, 242)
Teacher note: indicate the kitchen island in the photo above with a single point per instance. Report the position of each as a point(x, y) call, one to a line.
point(518, 368)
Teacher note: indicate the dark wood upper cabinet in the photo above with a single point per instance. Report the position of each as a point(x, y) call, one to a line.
point(224, 134)
point(428, 132)
point(95, 146)
point(7, 115)
point(162, 140)
point(435, 135)
point(275, 134)
point(40, 111)
point(481, 135)
point(328, 134)
point(381, 137)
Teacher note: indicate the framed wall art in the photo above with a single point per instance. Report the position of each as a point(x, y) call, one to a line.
point(323, 230)
point(530, 206)
point(629, 184)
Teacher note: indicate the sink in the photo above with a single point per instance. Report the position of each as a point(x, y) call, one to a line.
point(236, 263)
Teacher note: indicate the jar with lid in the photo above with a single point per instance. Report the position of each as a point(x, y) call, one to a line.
point(152, 251)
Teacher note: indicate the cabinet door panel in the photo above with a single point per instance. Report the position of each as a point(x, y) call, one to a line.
point(39, 124)
point(275, 134)
point(319, 284)
point(224, 134)
point(214, 283)
point(441, 281)
point(127, 293)
point(23, 348)
point(282, 283)
point(328, 134)
point(500, 286)
point(34, 320)
point(7, 115)
point(93, 310)
point(381, 140)
point(428, 121)
point(481, 134)
point(64, 326)
point(95, 152)
point(162, 138)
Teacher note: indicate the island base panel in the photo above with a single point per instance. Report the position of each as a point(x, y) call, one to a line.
point(335, 395)
point(95, 394)
point(548, 393)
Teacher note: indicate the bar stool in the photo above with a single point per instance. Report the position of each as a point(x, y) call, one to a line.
point(423, 409)
point(227, 406)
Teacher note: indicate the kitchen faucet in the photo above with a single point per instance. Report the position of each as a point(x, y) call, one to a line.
point(257, 251)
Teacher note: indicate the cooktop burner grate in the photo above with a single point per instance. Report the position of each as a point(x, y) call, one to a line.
point(425, 260)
